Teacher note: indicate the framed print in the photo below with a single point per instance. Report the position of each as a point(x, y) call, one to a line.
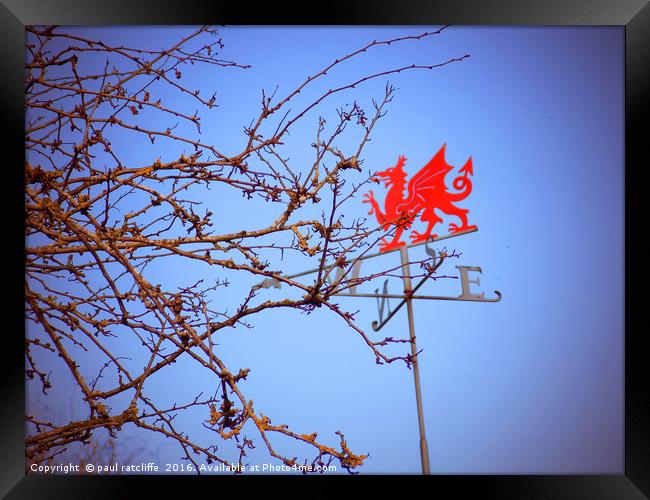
point(390, 243)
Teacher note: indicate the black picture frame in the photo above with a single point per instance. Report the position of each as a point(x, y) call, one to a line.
point(633, 14)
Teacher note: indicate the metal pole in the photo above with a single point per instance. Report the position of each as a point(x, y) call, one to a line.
point(424, 448)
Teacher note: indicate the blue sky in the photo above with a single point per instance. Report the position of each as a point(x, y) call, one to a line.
point(532, 384)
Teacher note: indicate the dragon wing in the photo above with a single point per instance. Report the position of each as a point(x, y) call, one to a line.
point(431, 176)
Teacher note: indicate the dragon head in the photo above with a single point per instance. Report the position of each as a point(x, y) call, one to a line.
point(394, 175)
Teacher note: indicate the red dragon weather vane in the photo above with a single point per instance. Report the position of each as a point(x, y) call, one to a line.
point(426, 192)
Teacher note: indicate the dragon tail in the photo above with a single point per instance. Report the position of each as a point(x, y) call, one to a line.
point(463, 183)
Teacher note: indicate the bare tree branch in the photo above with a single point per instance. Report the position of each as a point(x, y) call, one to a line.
point(98, 218)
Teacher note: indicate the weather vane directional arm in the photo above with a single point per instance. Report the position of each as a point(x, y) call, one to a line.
point(274, 283)
point(356, 267)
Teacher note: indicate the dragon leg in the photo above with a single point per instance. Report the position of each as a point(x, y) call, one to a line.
point(461, 213)
point(417, 236)
point(432, 219)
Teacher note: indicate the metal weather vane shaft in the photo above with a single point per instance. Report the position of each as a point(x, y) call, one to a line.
point(424, 447)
